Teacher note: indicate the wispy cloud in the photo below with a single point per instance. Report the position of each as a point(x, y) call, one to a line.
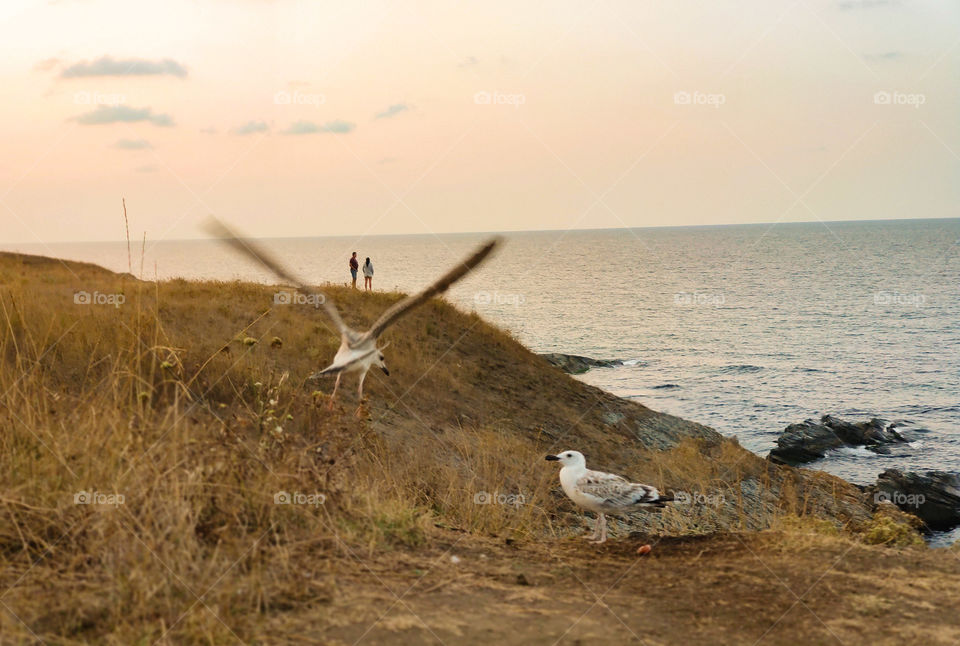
point(108, 66)
point(884, 56)
point(250, 128)
point(392, 111)
point(47, 64)
point(122, 114)
point(149, 168)
point(132, 144)
point(308, 127)
point(469, 61)
point(847, 5)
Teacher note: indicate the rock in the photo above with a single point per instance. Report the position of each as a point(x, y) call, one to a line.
point(810, 440)
point(613, 418)
point(934, 496)
point(576, 364)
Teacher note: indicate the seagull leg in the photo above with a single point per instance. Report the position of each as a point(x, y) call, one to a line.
point(596, 530)
point(601, 532)
point(360, 411)
point(333, 396)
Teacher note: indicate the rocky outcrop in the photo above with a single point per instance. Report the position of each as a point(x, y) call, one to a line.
point(576, 364)
point(933, 496)
point(810, 440)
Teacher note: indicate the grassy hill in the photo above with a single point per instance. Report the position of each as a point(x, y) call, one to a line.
point(182, 412)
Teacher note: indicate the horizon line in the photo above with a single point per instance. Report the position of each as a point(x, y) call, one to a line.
point(503, 232)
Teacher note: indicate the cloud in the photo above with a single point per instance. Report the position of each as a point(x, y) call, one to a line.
point(47, 64)
point(107, 66)
point(208, 131)
point(883, 56)
point(132, 144)
point(250, 128)
point(302, 128)
point(149, 168)
point(469, 61)
point(308, 127)
point(122, 114)
point(392, 111)
point(847, 5)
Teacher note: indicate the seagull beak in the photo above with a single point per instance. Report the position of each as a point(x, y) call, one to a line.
point(385, 371)
point(552, 458)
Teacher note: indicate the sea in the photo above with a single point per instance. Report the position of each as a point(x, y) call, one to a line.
point(745, 328)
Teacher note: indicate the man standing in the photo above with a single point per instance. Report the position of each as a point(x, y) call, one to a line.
point(354, 266)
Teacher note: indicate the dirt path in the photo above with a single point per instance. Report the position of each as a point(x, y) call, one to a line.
point(718, 590)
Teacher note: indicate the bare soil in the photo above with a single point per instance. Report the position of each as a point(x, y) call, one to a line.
point(766, 588)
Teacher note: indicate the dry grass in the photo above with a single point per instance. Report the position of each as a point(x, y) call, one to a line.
point(178, 409)
point(189, 401)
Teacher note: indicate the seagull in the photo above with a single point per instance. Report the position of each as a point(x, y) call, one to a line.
point(603, 493)
point(358, 351)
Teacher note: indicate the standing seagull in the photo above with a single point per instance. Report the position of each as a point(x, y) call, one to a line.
point(358, 350)
point(603, 493)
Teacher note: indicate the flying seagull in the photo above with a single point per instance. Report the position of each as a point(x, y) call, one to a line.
point(358, 350)
point(603, 493)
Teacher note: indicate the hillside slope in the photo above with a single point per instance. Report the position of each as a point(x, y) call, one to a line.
point(188, 403)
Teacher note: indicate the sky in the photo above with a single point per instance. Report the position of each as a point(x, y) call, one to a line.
point(302, 118)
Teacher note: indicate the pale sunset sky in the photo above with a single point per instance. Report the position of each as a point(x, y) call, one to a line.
point(297, 118)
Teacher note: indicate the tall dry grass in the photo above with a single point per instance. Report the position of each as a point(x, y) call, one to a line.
point(184, 411)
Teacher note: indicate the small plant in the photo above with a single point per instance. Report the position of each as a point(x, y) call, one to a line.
point(892, 527)
point(266, 410)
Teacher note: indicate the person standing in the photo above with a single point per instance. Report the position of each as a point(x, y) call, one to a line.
point(368, 275)
point(354, 266)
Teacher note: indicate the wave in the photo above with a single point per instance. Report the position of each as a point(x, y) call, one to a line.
point(859, 451)
point(923, 410)
point(666, 386)
point(740, 368)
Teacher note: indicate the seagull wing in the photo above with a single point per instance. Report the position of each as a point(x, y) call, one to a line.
point(255, 251)
point(615, 491)
point(397, 310)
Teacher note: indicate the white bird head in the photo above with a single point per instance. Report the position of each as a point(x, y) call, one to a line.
point(380, 362)
point(569, 459)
